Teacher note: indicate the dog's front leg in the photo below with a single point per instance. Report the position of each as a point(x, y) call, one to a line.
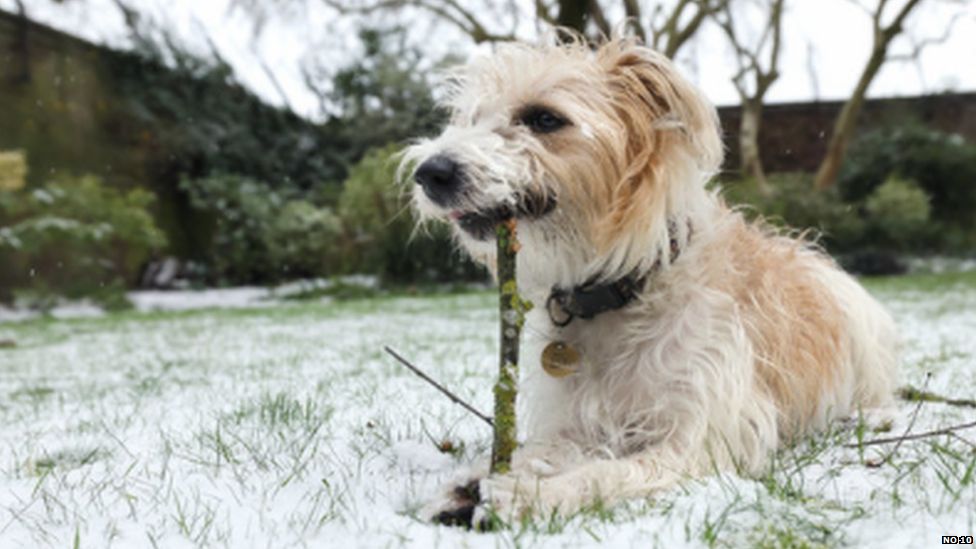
point(524, 492)
point(455, 503)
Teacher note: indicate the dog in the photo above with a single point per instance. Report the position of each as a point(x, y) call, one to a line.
point(671, 337)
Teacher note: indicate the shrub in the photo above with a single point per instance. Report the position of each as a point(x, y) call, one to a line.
point(942, 165)
point(304, 239)
point(261, 235)
point(75, 237)
point(792, 202)
point(380, 229)
point(898, 213)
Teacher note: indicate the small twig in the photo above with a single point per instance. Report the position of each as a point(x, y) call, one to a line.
point(456, 399)
point(903, 437)
point(943, 431)
point(912, 394)
point(963, 440)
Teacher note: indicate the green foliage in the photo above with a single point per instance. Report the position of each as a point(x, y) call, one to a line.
point(162, 118)
point(792, 202)
point(898, 212)
point(75, 237)
point(908, 190)
point(261, 235)
point(382, 97)
point(380, 229)
point(303, 239)
point(211, 127)
point(194, 110)
point(942, 165)
point(371, 200)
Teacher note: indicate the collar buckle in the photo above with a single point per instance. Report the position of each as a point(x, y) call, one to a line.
point(557, 307)
point(590, 299)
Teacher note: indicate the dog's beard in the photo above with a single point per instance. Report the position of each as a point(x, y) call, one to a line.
point(480, 223)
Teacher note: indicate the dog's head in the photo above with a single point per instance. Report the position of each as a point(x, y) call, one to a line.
point(592, 150)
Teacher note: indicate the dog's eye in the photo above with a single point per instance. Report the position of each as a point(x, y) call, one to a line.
point(541, 120)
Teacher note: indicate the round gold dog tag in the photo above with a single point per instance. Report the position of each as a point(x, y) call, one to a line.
point(559, 359)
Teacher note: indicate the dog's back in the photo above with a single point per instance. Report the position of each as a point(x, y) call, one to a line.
point(823, 347)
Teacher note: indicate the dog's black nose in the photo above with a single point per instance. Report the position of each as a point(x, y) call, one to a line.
point(440, 176)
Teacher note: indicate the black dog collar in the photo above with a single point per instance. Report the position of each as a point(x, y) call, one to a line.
point(590, 299)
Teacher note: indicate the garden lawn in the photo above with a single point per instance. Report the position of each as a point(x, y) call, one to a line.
point(288, 426)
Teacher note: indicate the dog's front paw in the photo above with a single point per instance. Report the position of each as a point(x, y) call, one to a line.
point(487, 503)
point(519, 495)
point(479, 501)
point(459, 508)
point(484, 504)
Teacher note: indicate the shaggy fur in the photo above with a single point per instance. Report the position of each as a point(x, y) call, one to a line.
point(746, 340)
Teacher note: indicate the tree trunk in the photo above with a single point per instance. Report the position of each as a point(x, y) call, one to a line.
point(847, 119)
point(511, 312)
point(572, 14)
point(22, 46)
point(749, 143)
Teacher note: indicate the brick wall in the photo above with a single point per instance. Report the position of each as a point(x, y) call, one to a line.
point(794, 135)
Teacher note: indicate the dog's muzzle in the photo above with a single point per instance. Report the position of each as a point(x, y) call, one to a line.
point(441, 178)
point(444, 182)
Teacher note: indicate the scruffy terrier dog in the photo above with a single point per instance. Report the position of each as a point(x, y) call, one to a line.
point(670, 337)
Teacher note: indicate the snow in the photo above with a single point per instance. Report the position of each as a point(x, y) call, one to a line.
point(189, 300)
point(185, 300)
point(64, 310)
point(238, 297)
point(285, 425)
point(941, 264)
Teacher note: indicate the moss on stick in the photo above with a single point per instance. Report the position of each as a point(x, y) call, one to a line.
point(511, 310)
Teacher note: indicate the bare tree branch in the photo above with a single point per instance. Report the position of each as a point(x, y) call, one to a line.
point(447, 10)
point(847, 118)
point(668, 29)
point(454, 398)
point(912, 394)
point(633, 12)
point(599, 18)
point(908, 429)
point(542, 12)
point(862, 7)
point(920, 45)
point(897, 25)
point(752, 80)
point(914, 436)
point(669, 35)
point(812, 71)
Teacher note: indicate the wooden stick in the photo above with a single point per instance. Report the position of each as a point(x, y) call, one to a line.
point(438, 386)
point(512, 315)
point(913, 394)
point(914, 436)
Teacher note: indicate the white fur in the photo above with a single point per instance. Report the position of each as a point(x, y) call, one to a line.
point(668, 386)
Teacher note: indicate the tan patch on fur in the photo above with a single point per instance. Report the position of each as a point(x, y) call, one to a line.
point(659, 112)
point(792, 319)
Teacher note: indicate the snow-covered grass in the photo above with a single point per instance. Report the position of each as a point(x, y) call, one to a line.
point(286, 425)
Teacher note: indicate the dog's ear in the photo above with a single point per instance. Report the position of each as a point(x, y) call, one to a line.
point(670, 128)
point(654, 98)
